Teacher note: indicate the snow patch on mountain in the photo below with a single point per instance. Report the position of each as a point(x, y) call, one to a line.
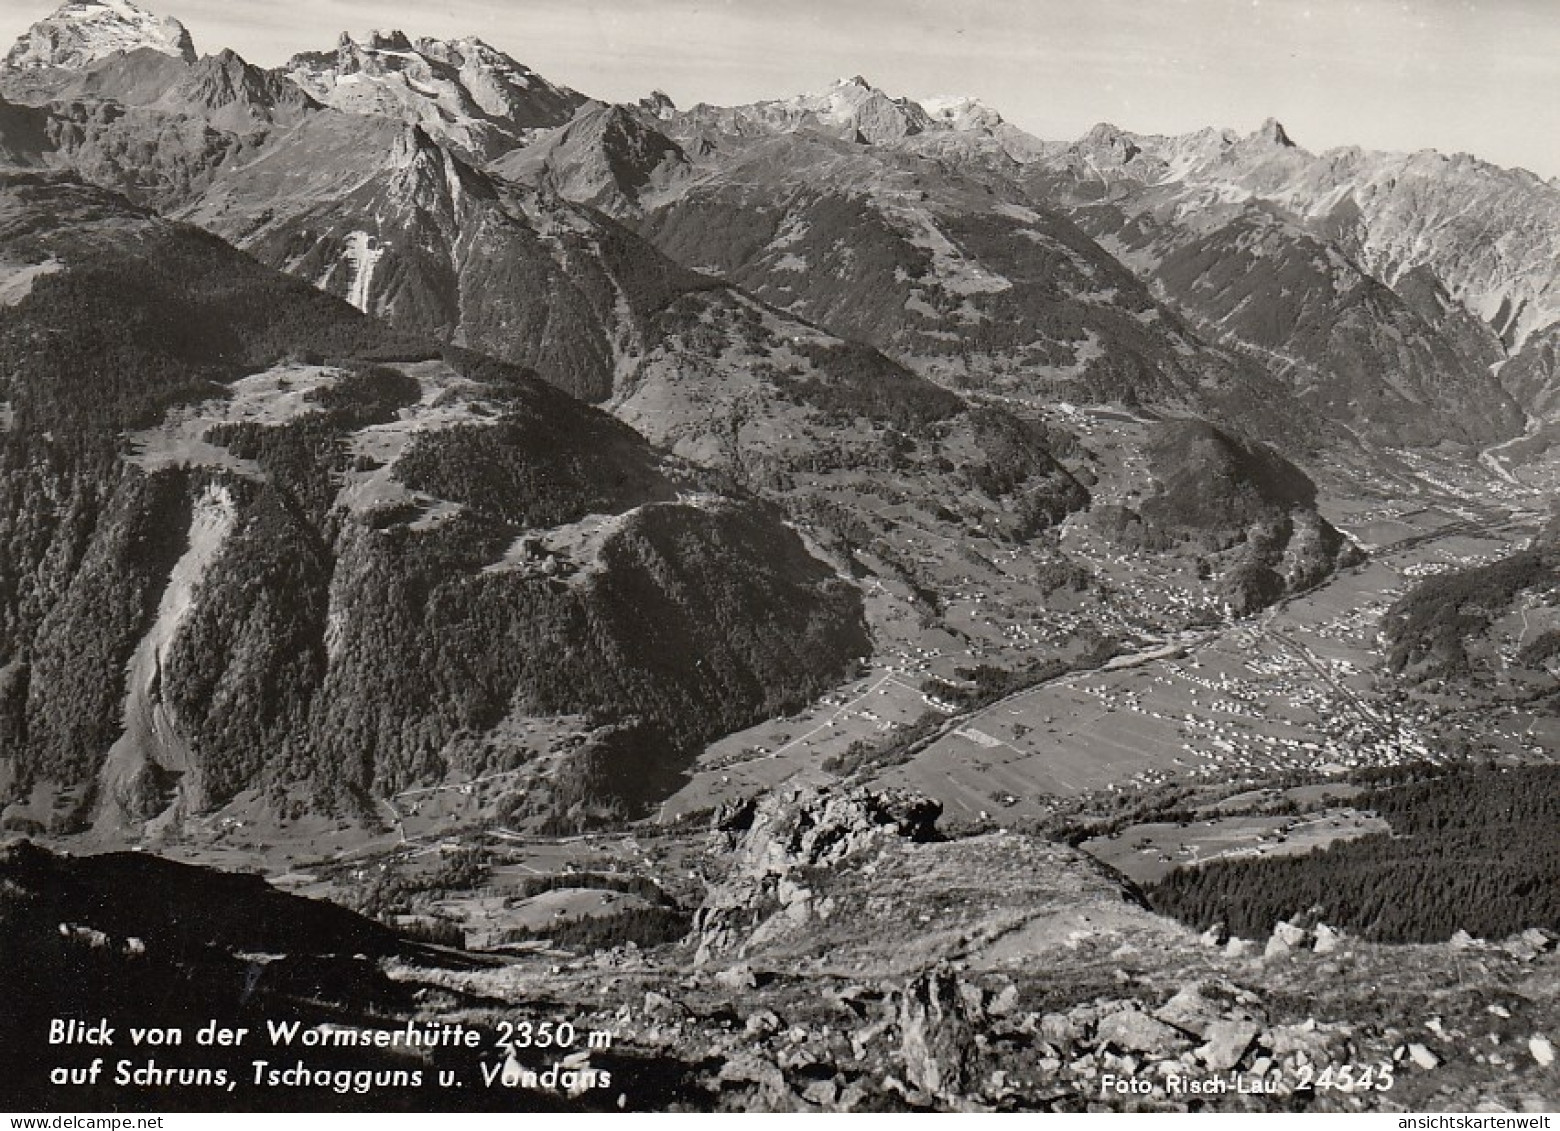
point(856, 104)
point(961, 112)
point(461, 91)
point(83, 31)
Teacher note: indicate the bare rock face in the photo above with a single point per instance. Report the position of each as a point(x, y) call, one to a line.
point(822, 829)
point(776, 842)
point(937, 1020)
point(84, 31)
point(461, 92)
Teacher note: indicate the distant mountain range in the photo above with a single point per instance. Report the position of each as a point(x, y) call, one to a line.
point(1382, 290)
point(263, 545)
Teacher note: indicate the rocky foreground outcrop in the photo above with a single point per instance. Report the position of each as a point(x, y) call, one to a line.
point(850, 959)
point(845, 958)
point(776, 845)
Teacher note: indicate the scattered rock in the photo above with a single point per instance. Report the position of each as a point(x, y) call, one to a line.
point(764, 1023)
point(1530, 944)
point(1004, 1001)
point(659, 1007)
point(1542, 1049)
point(1228, 1042)
point(1189, 1010)
point(823, 1093)
point(1134, 1031)
point(774, 842)
point(737, 978)
point(1327, 939)
point(747, 1068)
point(1286, 937)
point(1305, 1042)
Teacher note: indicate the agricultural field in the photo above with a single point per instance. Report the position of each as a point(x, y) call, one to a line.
point(1294, 688)
point(1147, 852)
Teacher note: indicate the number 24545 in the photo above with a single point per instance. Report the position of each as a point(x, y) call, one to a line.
point(1345, 1078)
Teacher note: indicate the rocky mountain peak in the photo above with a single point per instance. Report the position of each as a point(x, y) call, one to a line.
point(81, 32)
point(1107, 140)
point(874, 116)
point(241, 94)
point(379, 39)
point(659, 103)
point(961, 112)
point(1272, 131)
point(463, 91)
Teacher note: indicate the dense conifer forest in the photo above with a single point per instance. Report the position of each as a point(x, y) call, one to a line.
point(1475, 850)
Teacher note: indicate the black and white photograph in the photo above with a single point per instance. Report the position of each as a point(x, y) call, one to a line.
point(767, 556)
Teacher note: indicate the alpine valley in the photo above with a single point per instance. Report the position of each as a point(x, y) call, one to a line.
point(828, 604)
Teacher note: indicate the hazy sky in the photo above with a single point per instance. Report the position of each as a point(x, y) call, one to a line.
point(1481, 76)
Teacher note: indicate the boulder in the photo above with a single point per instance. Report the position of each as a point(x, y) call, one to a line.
point(1059, 1029)
point(1530, 944)
point(1190, 1011)
point(1285, 938)
point(1327, 939)
point(740, 977)
point(821, 1093)
point(1542, 1049)
point(1227, 1043)
point(764, 1023)
point(659, 1007)
point(749, 1069)
point(1134, 1031)
point(1004, 1001)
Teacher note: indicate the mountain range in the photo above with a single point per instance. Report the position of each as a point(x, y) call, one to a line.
point(825, 337)
point(828, 604)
